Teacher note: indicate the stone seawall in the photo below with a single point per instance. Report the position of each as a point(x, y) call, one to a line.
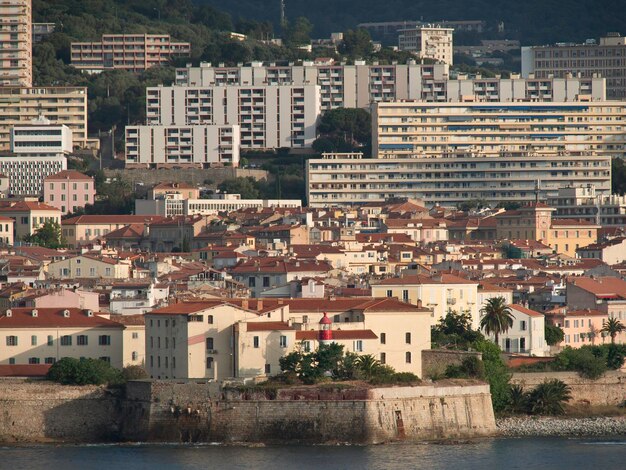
point(40, 411)
point(609, 389)
point(196, 412)
point(436, 361)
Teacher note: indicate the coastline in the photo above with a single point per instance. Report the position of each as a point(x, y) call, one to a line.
point(532, 426)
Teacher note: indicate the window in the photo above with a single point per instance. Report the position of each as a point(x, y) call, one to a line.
point(173, 343)
point(66, 340)
point(50, 340)
point(11, 360)
point(167, 342)
point(383, 338)
point(566, 323)
point(358, 346)
point(33, 340)
point(266, 281)
point(209, 363)
point(405, 295)
point(407, 357)
point(173, 363)
point(383, 358)
point(255, 341)
point(106, 359)
point(407, 338)
point(268, 368)
point(151, 361)
point(307, 346)
point(389, 293)
point(522, 325)
point(82, 340)
point(33, 360)
point(11, 340)
point(104, 340)
point(283, 341)
point(135, 335)
point(251, 282)
point(210, 319)
point(209, 343)
point(134, 355)
point(49, 360)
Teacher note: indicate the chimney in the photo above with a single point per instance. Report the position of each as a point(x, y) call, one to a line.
point(9, 313)
point(244, 304)
point(259, 305)
point(419, 303)
point(34, 313)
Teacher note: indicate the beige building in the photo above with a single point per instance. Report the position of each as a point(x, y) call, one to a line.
point(85, 229)
point(6, 231)
point(45, 335)
point(440, 294)
point(186, 191)
point(580, 327)
point(16, 43)
point(611, 251)
point(133, 339)
point(89, 267)
point(428, 42)
point(132, 52)
point(61, 105)
point(28, 216)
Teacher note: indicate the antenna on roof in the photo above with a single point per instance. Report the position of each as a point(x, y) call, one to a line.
point(282, 13)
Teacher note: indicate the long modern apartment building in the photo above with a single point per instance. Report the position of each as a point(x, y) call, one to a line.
point(360, 84)
point(268, 116)
point(16, 41)
point(132, 52)
point(61, 105)
point(451, 178)
point(182, 146)
point(586, 203)
point(424, 129)
point(606, 59)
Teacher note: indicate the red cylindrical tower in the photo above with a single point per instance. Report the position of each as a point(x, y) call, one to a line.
point(326, 330)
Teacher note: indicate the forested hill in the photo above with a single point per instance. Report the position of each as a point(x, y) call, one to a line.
point(532, 21)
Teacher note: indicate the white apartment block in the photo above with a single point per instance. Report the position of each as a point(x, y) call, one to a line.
point(359, 85)
point(449, 179)
point(201, 146)
point(586, 203)
point(268, 116)
point(16, 41)
point(428, 42)
point(41, 139)
point(606, 59)
point(132, 52)
point(26, 174)
point(61, 105)
point(417, 128)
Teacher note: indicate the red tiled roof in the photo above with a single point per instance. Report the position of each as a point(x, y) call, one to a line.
point(131, 320)
point(53, 318)
point(22, 206)
point(602, 286)
point(24, 370)
point(337, 334)
point(421, 279)
point(129, 231)
point(111, 219)
point(267, 326)
point(527, 311)
point(68, 175)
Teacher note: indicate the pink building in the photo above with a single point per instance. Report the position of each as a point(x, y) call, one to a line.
point(69, 190)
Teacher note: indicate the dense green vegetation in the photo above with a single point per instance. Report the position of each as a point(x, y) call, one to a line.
point(547, 398)
point(71, 371)
point(48, 236)
point(533, 21)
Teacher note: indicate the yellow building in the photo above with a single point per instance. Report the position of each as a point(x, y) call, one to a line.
point(134, 338)
point(28, 216)
point(89, 267)
point(45, 335)
point(85, 229)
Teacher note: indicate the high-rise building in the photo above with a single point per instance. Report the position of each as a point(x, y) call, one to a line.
point(133, 52)
point(428, 42)
point(591, 59)
point(16, 41)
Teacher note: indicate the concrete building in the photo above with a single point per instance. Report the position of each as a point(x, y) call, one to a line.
point(137, 297)
point(42, 30)
point(603, 59)
point(132, 52)
point(45, 335)
point(26, 174)
point(133, 339)
point(67, 106)
point(268, 116)
point(16, 43)
point(182, 146)
point(69, 191)
point(584, 202)
point(449, 178)
point(28, 216)
point(89, 267)
point(186, 191)
point(41, 139)
point(389, 30)
point(527, 335)
point(85, 229)
point(428, 42)
point(611, 251)
point(411, 128)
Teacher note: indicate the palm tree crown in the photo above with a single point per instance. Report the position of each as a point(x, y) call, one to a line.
point(613, 327)
point(497, 317)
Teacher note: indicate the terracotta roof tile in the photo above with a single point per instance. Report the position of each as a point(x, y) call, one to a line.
point(54, 318)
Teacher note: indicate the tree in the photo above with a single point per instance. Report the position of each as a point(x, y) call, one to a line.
point(496, 373)
point(497, 317)
point(48, 235)
point(549, 397)
point(298, 33)
point(247, 187)
point(618, 176)
point(455, 331)
point(612, 327)
point(553, 334)
point(518, 399)
point(367, 365)
point(356, 43)
point(345, 130)
point(70, 371)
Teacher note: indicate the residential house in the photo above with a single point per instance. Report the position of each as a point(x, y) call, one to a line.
point(580, 327)
point(90, 267)
point(611, 251)
point(133, 340)
point(173, 234)
point(7, 230)
point(68, 191)
point(86, 229)
point(28, 216)
point(137, 296)
point(526, 335)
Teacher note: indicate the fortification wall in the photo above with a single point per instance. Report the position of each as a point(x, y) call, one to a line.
point(436, 361)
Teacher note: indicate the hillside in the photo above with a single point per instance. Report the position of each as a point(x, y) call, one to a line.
point(532, 21)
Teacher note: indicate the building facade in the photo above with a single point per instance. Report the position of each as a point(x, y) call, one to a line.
point(451, 178)
point(16, 43)
point(28, 216)
point(182, 146)
point(428, 42)
point(584, 202)
point(69, 191)
point(132, 52)
point(27, 174)
point(603, 59)
point(268, 116)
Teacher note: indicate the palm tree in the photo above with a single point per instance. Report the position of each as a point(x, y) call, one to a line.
point(613, 327)
point(368, 365)
point(548, 397)
point(497, 317)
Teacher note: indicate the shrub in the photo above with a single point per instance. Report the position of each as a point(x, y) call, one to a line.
point(134, 373)
point(70, 371)
point(496, 373)
point(582, 360)
point(615, 357)
point(518, 399)
point(549, 397)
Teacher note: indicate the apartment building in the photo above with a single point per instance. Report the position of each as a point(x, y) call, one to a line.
point(428, 42)
point(451, 178)
point(67, 106)
point(584, 202)
point(26, 174)
point(69, 191)
point(527, 334)
point(28, 216)
point(268, 116)
point(411, 128)
point(182, 146)
point(45, 335)
point(41, 138)
point(132, 52)
point(86, 229)
point(89, 267)
point(604, 59)
point(580, 327)
point(16, 43)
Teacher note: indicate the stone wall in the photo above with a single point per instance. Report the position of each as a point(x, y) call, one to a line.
point(150, 177)
point(607, 390)
point(436, 361)
point(39, 411)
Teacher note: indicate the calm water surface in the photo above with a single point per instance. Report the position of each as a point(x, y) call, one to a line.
point(526, 454)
